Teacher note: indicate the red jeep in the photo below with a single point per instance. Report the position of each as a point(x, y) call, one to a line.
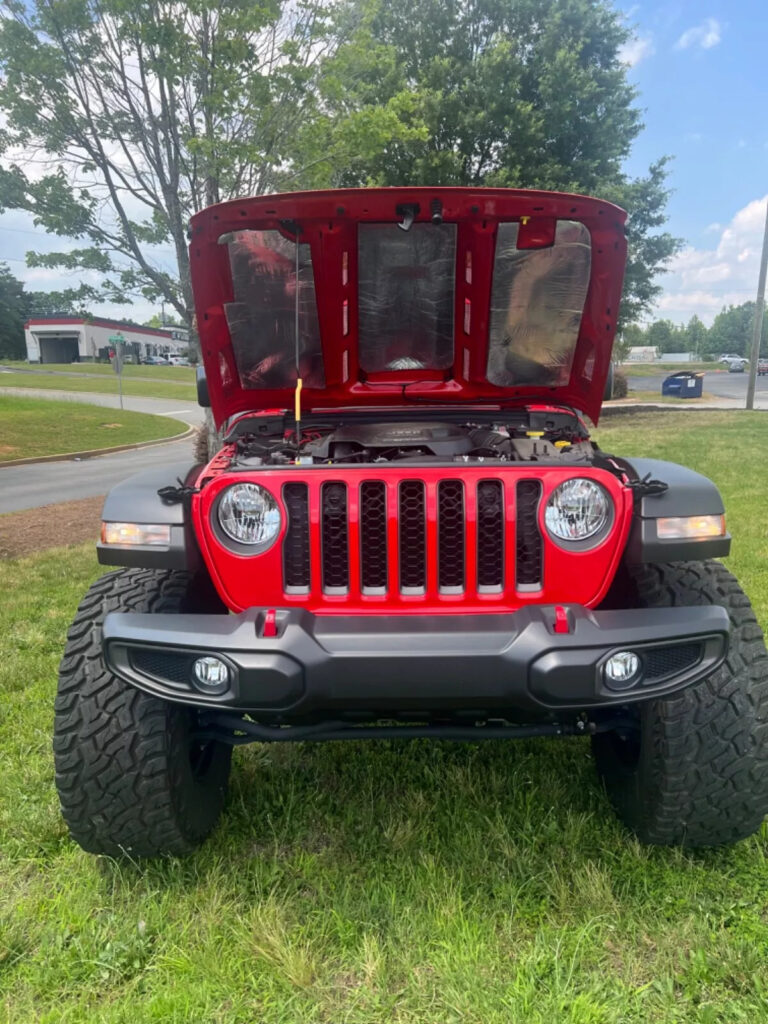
point(407, 530)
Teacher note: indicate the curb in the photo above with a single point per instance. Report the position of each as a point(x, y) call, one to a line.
point(95, 452)
point(614, 410)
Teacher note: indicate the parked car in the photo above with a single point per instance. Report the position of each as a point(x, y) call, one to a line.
point(737, 365)
point(762, 367)
point(178, 361)
point(155, 361)
point(728, 358)
point(420, 541)
point(742, 361)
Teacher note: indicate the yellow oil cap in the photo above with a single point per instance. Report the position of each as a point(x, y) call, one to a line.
point(562, 444)
point(534, 433)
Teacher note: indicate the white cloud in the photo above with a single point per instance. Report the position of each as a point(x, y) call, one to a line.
point(702, 281)
point(635, 50)
point(706, 35)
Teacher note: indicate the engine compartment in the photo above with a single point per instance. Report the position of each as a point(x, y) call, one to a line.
point(558, 439)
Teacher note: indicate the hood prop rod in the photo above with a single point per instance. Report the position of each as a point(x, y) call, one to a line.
point(299, 382)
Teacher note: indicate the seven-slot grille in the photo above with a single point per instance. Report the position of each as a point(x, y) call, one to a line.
point(452, 537)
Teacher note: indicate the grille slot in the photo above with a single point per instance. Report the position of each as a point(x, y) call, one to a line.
point(664, 661)
point(373, 537)
point(334, 539)
point(412, 537)
point(490, 535)
point(296, 565)
point(450, 536)
point(528, 545)
point(164, 665)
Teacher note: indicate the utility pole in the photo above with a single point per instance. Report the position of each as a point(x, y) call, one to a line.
point(118, 341)
point(757, 326)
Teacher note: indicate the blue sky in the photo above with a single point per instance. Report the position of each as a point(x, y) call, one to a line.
point(701, 70)
point(702, 73)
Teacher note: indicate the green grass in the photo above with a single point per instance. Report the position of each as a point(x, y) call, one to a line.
point(138, 387)
point(406, 883)
point(652, 369)
point(32, 427)
point(180, 374)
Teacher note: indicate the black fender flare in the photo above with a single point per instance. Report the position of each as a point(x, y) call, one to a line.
point(136, 500)
point(688, 493)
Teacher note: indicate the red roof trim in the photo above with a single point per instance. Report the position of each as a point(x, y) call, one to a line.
point(99, 322)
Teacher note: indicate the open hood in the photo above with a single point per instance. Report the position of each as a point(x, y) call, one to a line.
point(394, 297)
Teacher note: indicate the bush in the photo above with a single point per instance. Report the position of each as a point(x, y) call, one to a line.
point(620, 386)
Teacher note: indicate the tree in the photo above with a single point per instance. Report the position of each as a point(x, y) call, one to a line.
point(696, 336)
point(159, 321)
point(522, 93)
point(69, 302)
point(13, 314)
point(137, 113)
point(663, 335)
point(731, 330)
point(140, 112)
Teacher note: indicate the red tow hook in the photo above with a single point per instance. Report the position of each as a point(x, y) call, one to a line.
point(270, 623)
point(561, 620)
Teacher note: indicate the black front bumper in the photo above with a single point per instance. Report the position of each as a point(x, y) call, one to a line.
point(323, 667)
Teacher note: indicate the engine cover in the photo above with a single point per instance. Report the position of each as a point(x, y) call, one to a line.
point(441, 439)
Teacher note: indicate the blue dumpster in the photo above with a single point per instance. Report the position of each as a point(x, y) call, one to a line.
point(683, 385)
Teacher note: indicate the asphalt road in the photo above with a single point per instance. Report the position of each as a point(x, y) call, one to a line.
point(44, 483)
point(723, 385)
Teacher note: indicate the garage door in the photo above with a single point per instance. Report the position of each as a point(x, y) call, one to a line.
point(59, 350)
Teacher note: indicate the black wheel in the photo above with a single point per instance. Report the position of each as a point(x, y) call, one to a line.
point(694, 772)
point(130, 778)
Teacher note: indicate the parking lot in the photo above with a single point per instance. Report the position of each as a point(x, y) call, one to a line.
point(721, 384)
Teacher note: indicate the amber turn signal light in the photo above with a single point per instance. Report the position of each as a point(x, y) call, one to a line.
point(690, 527)
point(135, 534)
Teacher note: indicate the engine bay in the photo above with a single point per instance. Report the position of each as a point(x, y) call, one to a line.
point(555, 440)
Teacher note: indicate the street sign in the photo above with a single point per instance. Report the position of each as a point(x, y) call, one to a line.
point(117, 341)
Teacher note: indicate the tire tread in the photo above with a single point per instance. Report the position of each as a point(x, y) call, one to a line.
point(116, 748)
point(702, 776)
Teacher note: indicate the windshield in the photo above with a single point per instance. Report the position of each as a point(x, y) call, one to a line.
point(262, 317)
point(537, 300)
point(406, 286)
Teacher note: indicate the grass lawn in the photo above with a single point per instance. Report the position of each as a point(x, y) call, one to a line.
point(180, 374)
point(413, 883)
point(35, 426)
point(652, 369)
point(145, 388)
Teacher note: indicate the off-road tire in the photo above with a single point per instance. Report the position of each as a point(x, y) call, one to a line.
point(129, 779)
point(696, 771)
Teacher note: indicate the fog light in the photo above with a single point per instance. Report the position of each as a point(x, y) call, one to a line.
point(211, 675)
point(621, 670)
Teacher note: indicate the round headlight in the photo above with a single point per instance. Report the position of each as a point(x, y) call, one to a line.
point(249, 514)
point(577, 510)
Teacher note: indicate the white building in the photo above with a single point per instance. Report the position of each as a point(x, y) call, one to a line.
point(641, 354)
point(71, 339)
